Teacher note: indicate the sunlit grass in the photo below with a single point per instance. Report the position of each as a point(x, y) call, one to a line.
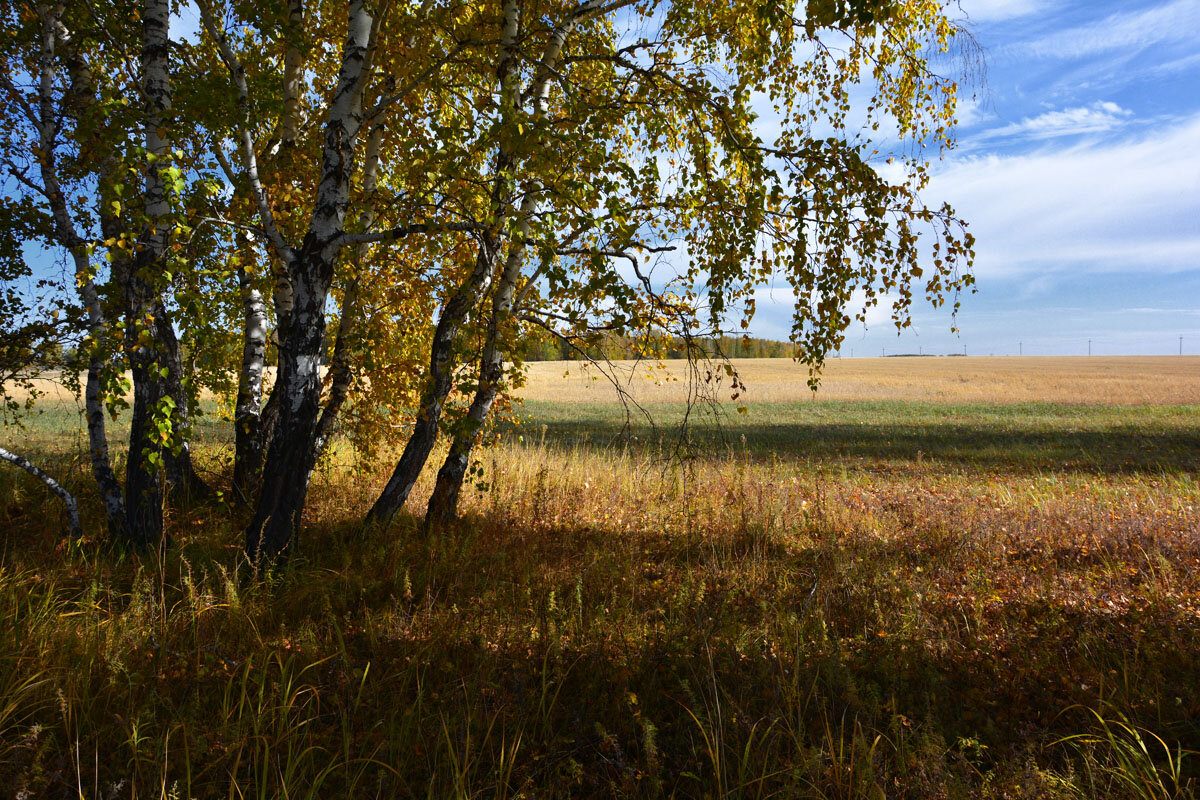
point(844, 599)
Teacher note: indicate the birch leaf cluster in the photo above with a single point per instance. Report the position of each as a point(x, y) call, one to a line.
point(350, 216)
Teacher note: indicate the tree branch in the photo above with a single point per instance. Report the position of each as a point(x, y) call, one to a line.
point(237, 74)
point(409, 230)
point(51, 484)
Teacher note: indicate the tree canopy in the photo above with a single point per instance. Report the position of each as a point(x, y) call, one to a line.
point(389, 203)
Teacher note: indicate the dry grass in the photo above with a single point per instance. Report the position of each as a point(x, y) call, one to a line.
point(1107, 380)
point(844, 599)
point(1134, 380)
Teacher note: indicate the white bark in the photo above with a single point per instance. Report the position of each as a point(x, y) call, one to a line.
point(345, 120)
point(140, 284)
point(282, 299)
point(51, 484)
point(248, 411)
point(340, 370)
point(293, 65)
point(255, 346)
point(82, 91)
point(156, 89)
point(290, 458)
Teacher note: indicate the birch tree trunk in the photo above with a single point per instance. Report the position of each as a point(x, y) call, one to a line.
point(82, 92)
point(282, 300)
point(438, 385)
point(443, 504)
point(340, 371)
point(293, 65)
point(51, 484)
point(467, 296)
point(290, 458)
point(144, 330)
point(248, 449)
point(102, 471)
point(143, 484)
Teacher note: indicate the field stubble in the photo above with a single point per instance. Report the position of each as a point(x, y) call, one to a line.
point(1114, 380)
point(915, 596)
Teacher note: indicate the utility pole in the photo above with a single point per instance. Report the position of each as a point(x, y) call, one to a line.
point(1180, 345)
point(1020, 348)
point(1089, 347)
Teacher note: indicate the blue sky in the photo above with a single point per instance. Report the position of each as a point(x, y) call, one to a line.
point(1078, 168)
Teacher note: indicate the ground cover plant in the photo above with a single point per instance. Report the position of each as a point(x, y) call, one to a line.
point(928, 595)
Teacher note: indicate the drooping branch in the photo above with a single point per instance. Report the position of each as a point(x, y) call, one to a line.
point(626, 398)
point(51, 484)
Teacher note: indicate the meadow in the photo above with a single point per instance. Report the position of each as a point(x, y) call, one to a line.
point(935, 578)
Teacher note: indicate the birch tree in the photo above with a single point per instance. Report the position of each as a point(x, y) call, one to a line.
point(100, 188)
point(311, 262)
point(651, 108)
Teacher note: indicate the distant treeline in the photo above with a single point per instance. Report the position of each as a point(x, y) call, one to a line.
point(616, 348)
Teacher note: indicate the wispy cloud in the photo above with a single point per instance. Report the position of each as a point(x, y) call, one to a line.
point(1096, 118)
point(1171, 67)
point(971, 113)
point(1176, 21)
point(1195, 312)
point(1087, 209)
point(995, 10)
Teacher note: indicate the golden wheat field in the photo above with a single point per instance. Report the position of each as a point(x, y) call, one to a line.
point(1101, 380)
point(1129, 380)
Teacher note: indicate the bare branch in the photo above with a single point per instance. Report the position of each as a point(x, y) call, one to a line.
point(410, 230)
point(249, 157)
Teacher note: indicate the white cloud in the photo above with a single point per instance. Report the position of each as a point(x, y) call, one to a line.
point(970, 112)
point(1176, 21)
point(994, 10)
point(1096, 118)
point(776, 304)
point(1195, 312)
point(1063, 213)
point(1133, 204)
point(1174, 66)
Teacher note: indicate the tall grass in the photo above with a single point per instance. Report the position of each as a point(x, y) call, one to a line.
point(754, 623)
point(1122, 759)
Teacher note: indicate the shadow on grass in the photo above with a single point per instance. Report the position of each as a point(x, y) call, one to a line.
point(619, 662)
point(1019, 446)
